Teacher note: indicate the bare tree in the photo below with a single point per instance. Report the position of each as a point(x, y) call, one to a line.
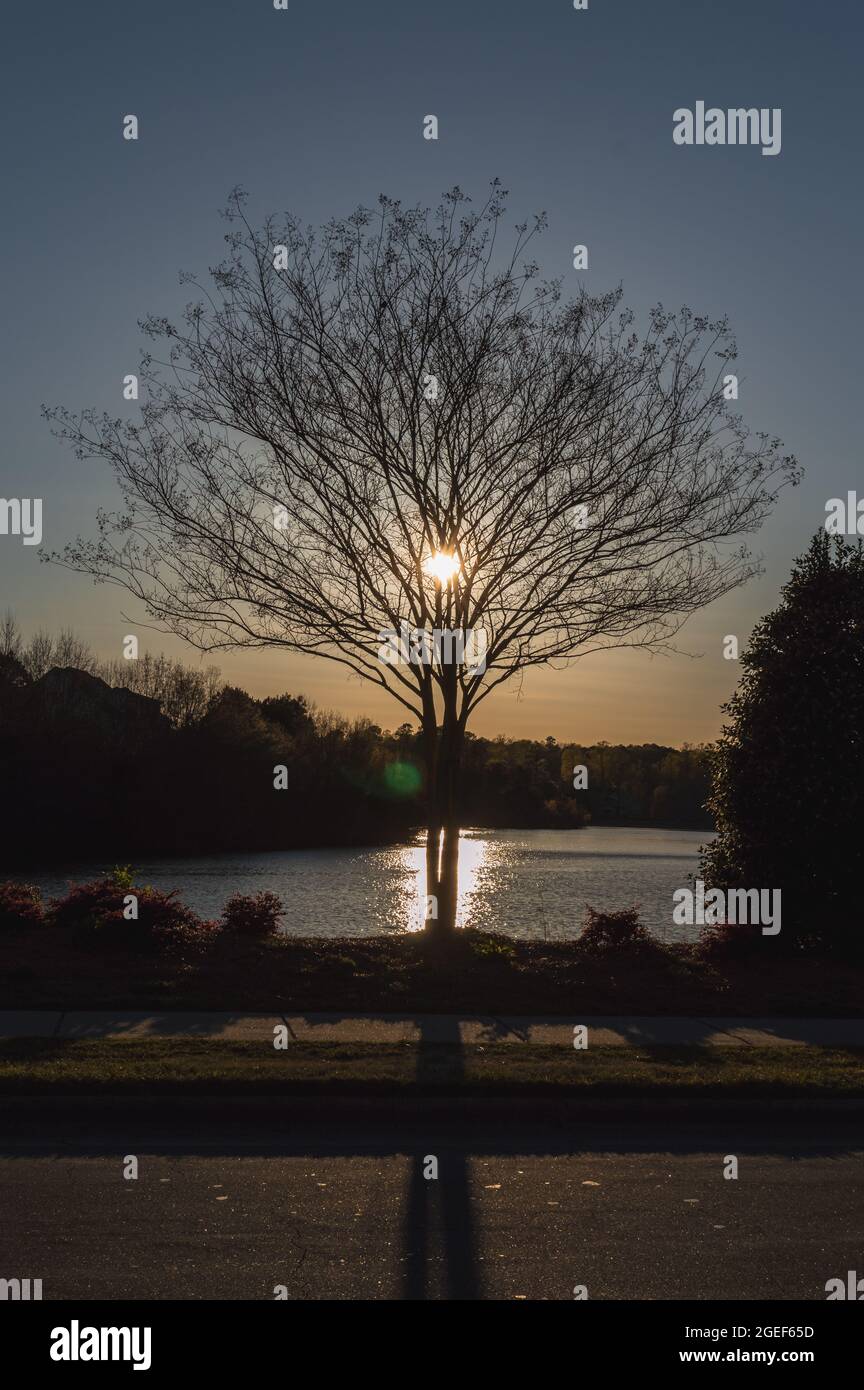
point(11, 643)
point(72, 650)
point(44, 651)
point(39, 655)
point(185, 694)
point(391, 423)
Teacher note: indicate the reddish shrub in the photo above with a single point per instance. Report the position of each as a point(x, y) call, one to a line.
point(89, 905)
point(20, 905)
point(606, 932)
point(253, 916)
point(98, 908)
point(169, 922)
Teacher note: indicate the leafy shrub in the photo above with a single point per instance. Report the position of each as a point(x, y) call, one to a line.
point(20, 905)
point(605, 933)
point(168, 922)
point(98, 909)
point(730, 940)
point(253, 916)
point(89, 905)
point(123, 876)
point(488, 944)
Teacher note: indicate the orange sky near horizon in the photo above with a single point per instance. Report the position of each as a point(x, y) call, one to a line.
point(620, 696)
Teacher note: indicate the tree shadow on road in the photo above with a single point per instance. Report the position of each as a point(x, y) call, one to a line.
point(438, 1232)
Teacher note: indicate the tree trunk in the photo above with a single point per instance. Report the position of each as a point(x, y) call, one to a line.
point(442, 837)
point(448, 880)
point(433, 818)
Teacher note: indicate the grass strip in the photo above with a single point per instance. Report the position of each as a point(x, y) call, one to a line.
point(207, 1066)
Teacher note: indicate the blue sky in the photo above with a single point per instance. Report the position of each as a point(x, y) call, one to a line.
point(319, 108)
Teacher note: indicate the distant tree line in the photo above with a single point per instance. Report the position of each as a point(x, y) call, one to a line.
point(129, 758)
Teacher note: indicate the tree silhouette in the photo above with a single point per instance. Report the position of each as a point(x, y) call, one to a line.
point(342, 406)
point(788, 792)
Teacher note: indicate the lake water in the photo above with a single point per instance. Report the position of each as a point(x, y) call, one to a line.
point(527, 883)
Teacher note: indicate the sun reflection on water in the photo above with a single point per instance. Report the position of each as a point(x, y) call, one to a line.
point(473, 857)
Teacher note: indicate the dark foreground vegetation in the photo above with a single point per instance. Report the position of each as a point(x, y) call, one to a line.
point(132, 758)
point(82, 951)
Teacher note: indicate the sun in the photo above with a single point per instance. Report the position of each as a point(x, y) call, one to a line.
point(441, 566)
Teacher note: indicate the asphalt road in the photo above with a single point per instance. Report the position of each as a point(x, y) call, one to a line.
point(333, 1210)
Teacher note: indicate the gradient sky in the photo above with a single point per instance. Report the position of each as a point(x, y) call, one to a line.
point(320, 108)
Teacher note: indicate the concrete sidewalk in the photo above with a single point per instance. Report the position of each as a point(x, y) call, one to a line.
point(438, 1028)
